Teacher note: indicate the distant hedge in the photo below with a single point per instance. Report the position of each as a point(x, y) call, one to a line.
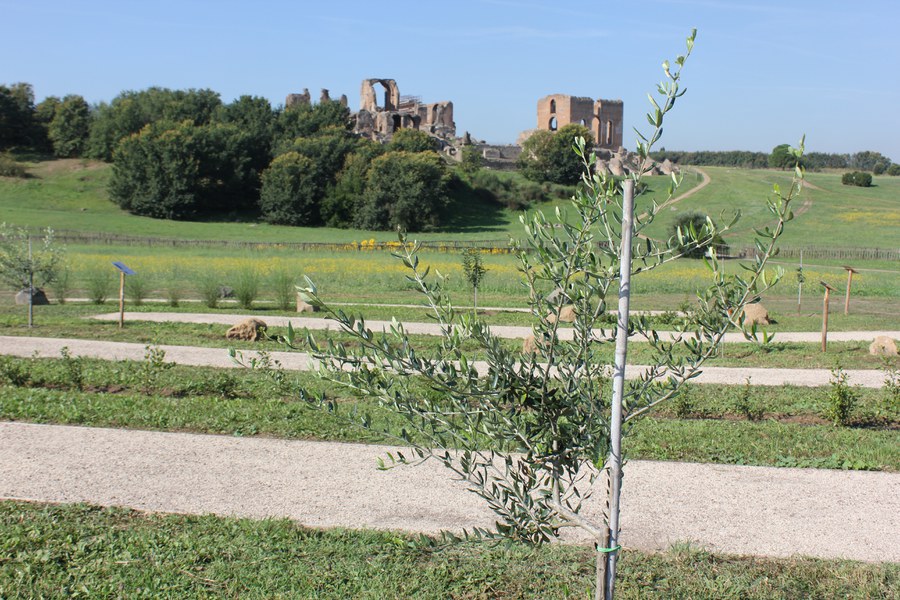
point(857, 178)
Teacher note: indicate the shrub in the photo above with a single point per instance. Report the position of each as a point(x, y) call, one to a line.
point(137, 289)
point(9, 167)
point(284, 289)
point(209, 289)
point(246, 288)
point(99, 285)
point(61, 284)
point(690, 232)
point(857, 178)
point(173, 285)
point(879, 168)
point(893, 170)
point(745, 405)
point(841, 399)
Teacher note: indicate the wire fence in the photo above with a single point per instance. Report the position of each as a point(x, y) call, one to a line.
point(486, 246)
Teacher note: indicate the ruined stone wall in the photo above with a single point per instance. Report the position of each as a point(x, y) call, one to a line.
point(605, 118)
point(379, 120)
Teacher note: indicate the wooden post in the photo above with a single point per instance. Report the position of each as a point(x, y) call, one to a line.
point(828, 289)
point(121, 299)
point(850, 272)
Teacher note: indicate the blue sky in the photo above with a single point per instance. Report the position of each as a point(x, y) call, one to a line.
point(763, 72)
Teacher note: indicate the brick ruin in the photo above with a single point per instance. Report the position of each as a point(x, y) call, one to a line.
point(380, 121)
point(382, 111)
point(605, 118)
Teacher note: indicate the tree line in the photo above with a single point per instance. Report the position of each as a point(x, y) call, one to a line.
point(781, 158)
point(184, 154)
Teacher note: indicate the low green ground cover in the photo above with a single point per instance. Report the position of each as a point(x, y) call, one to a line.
point(723, 424)
point(81, 550)
point(69, 321)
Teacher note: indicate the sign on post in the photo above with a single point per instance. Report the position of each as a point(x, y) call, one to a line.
point(123, 271)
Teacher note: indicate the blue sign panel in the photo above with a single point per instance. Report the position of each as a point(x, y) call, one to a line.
point(123, 268)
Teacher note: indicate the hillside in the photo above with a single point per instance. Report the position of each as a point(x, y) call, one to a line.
point(71, 195)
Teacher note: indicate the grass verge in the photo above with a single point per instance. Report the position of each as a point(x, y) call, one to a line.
point(788, 431)
point(80, 550)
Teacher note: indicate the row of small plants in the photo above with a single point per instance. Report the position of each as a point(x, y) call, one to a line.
point(246, 286)
point(840, 403)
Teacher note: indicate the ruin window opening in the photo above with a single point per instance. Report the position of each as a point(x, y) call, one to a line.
point(553, 106)
point(396, 120)
point(553, 124)
point(609, 127)
point(582, 122)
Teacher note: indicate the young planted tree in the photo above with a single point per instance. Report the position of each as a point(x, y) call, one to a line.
point(474, 270)
point(24, 265)
point(533, 433)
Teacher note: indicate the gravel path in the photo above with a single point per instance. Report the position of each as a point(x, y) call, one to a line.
point(504, 331)
point(218, 357)
point(731, 509)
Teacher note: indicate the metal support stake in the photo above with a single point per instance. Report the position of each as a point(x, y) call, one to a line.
point(614, 461)
point(828, 289)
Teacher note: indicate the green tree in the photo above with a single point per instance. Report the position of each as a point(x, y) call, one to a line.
point(879, 168)
point(412, 140)
point(130, 112)
point(17, 125)
point(404, 190)
point(25, 265)
point(548, 156)
point(69, 128)
point(471, 161)
point(288, 195)
point(867, 159)
point(782, 158)
point(256, 119)
point(343, 200)
point(530, 434)
point(893, 170)
point(303, 120)
point(182, 170)
point(328, 149)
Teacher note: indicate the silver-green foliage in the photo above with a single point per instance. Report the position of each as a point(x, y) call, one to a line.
point(23, 264)
point(545, 415)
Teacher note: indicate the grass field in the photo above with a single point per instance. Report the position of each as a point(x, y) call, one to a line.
point(71, 194)
point(80, 550)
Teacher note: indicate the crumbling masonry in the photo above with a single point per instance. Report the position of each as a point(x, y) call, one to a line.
point(605, 118)
point(400, 112)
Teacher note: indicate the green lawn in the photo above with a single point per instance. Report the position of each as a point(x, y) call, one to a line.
point(83, 551)
point(708, 426)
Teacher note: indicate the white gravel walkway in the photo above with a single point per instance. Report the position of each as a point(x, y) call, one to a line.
point(301, 361)
point(504, 331)
point(731, 509)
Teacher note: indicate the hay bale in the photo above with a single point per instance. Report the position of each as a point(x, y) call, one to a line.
point(883, 346)
point(566, 315)
point(529, 346)
point(755, 314)
point(248, 329)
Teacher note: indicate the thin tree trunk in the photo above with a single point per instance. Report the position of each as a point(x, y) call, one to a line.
point(614, 462)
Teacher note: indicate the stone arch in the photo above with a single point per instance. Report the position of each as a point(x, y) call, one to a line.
point(552, 106)
point(368, 96)
point(553, 124)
